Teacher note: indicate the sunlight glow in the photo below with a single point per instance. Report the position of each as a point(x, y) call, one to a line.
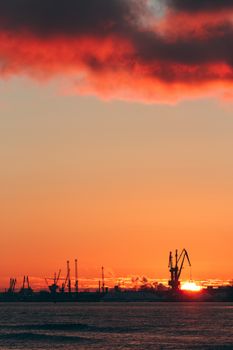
point(191, 286)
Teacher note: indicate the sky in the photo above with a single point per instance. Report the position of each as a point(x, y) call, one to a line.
point(116, 123)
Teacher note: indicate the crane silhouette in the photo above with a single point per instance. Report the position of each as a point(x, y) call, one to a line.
point(177, 267)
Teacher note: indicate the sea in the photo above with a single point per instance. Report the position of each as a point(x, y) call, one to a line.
point(110, 326)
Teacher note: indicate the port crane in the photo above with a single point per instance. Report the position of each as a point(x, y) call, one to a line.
point(11, 288)
point(67, 282)
point(176, 267)
point(54, 286)
point(26, 288)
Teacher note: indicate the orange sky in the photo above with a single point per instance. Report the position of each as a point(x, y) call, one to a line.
point(116, 137)
point(114, 184)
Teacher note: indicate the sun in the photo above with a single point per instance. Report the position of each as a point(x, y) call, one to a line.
point(191, 286)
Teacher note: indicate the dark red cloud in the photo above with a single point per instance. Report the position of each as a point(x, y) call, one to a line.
point(121, 48)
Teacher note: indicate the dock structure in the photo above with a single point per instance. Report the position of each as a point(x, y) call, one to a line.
point(67, 289)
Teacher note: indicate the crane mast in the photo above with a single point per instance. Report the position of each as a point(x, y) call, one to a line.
point(76, 275)
point(176, 267)
point(103, 283)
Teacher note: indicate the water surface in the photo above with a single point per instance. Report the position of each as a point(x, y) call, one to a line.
point(111, 326)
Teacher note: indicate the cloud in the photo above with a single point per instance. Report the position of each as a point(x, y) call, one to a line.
point(121, 48)
point(48, 18)
point(200, 5)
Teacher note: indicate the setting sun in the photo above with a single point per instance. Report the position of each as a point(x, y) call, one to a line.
point(191, 286)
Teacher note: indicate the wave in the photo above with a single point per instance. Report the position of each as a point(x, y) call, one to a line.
point(72, 327)
point(56, 327)
point(35, 337)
